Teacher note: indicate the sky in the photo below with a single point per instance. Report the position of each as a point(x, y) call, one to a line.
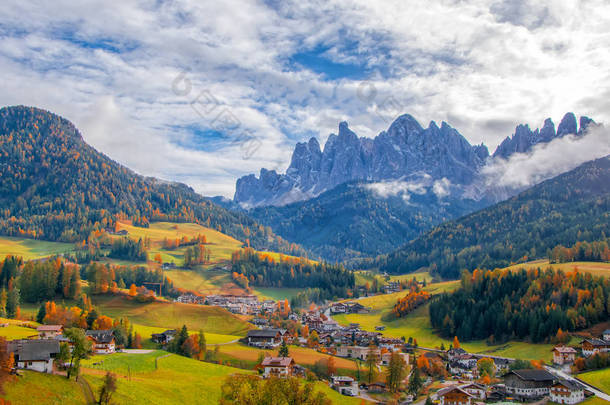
point(204, 92)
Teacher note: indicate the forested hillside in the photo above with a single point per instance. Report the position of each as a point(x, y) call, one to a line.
point(54, 186)
point(534, 304)
point(352, 221)
point(572, 207)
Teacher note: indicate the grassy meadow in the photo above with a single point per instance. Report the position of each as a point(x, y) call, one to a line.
point(598, 378)
point(595, 268)
point(417, 325)
point(31, 249)
point(38, 388)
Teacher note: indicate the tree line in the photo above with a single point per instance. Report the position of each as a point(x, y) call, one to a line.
point(534, 304)
point(263, 270)
point(596, 251)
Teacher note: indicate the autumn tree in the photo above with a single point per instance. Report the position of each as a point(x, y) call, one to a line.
point(372, 358)
point(7, 362)
point(108, 388)
point(396, 371)
point(456, 342)
point(81, 348)
point(313, 340)
point(486, 367)
point(133, 290)
point(331, 366)
point(283, 352)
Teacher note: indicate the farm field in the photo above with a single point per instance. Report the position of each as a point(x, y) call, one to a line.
point(31, 249)
point(176, 380)
point(301, 355)
point(15, 330)
point(595, 268)
point(221, 246)
point(38, 388)
point(417, 325)
point(598, 378)
point(171, 315)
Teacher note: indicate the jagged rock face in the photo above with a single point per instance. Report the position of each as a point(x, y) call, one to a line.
point(524, 139)
point(405, 151)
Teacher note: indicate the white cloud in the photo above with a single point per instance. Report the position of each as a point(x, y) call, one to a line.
point(547, 160)
point(482, 65)
point(393, 188)
point(441, 187)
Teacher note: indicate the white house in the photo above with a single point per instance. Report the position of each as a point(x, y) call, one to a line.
point(102, 341)
point(563, 355)
point(345, 385)
point(567, 392)
point(606, 335)
point(37, 355)
point(277, 367)
point(478, 391)
point(49, 331)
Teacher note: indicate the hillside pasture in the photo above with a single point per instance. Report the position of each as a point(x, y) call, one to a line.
point(595, 268)
point(598, 378)
point(172, 315)
point(31, 249)
point(38, 388)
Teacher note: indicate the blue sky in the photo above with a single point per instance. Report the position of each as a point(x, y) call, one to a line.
point(204, 92)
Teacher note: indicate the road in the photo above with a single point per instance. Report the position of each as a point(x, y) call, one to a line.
point(568, 377)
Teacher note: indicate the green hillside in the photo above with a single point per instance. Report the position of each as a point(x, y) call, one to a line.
point(574, 206)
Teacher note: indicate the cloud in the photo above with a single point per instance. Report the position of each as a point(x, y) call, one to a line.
point(547, 160)
point(441, 187)
point(486, 65)
point(394, 188)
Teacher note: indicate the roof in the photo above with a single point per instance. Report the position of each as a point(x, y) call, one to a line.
point(533, 375)
point(452, 388)
point(49, 328)
point(606, 332)
point(596, 342)
point(564, 349)
point(342, 378)
point(473, 385)
point(571, 385)
point(101, 336)
point(263, 333)
point(277, 361)
point(33, 350)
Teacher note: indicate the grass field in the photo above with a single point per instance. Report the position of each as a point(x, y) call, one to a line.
point(38, 388)
point(31, 248)
point(417, 325)
point(276, 294)
point(595, 268)
point(171, 315)
point(599, 379)
point(221, 246)
point(175, 380)
point(15, 330)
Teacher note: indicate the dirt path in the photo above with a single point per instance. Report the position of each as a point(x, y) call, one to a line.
point(82, 381)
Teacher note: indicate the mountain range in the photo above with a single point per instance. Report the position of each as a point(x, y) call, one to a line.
point(363, 197)
point(405, 151)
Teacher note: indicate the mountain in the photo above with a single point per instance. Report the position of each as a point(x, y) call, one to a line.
point(351, 220)
point(405, 150)
point(54, 186)
point(524, 138)
point(571, 207)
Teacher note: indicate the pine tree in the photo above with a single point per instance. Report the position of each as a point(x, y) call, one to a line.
point(415, 382)
point(283, 349)
point(42, 312)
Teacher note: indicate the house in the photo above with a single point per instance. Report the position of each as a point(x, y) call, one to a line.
point(380, 327)
point(190, 299)
point(102, 341)
point(528, 384)
point(281, 367)
point(37, 355)
point(355, 352)
point(606, 335)
point(567, 392)
point(266, 338)
point(49, 331)
point(467, 361)
point(164, 337)
point(454, 395)
point(376, 387)
point(563, 355)
point(452, 354)
point(391, 287)
point(345, 385)
point(477, 390)
point(385, 358)
point(592, 346)
point(338, 308)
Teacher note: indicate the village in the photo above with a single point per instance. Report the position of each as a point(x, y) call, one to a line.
point(459, 377)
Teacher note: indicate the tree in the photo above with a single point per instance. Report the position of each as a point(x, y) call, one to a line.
point(41, 313)
point(202, 345)
point(428, 399)
point(133, 291)
point(64, 353)
point(371, 363)
point(137, 341)
point(108, 388)
point(158, 258)
point(12, 303)
point(3, 300)
point(415, 382)
point(313, 339)
point(81, 347)
point(283, 352)
point(331, 366)
point(396, 371)
point(486, 367)
point(7, 362)
point(456, 342)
